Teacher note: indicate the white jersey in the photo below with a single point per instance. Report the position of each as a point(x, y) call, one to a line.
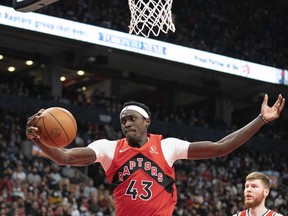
point(173, 149)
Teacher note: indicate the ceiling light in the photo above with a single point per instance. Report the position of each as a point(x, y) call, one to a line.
point(80, 72)
point(1, 57)
point(11, 69)
point(29, 62)
point(62, 78)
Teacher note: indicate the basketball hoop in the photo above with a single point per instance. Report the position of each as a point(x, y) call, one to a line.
point(150, 16)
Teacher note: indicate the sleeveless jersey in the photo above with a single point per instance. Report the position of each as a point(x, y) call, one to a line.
point(142, 181)
point(246, 213)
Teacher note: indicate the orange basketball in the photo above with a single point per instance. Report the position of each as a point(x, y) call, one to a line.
point(57, 127)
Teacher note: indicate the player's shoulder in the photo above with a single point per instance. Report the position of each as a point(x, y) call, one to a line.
point(103, 142)
point(173, 139)
point(276, 214)
point(239, 213)
point(166, 139)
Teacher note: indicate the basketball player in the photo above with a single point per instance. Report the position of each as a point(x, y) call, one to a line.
point(139, 167)
point(257, 188)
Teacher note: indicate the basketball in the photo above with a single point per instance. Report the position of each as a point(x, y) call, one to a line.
point(57, 127)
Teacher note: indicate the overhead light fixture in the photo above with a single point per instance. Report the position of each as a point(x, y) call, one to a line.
point(62, 78)
point(80, 72)
point(1, 57)
point(29, 62)
point(11, 69)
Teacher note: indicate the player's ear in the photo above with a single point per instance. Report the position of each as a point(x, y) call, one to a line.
point(266, 192)
point(147, 122)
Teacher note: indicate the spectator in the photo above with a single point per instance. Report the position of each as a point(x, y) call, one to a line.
point(33, 177)
point(89, 188)
point(19, 174)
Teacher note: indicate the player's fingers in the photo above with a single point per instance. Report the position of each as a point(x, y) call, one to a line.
point(278, 101)
point(279, 104)
point(282, 105)
point(34, 118)
point(31, 132)
point(31, 121)
point(36, 114)
point(265, 100)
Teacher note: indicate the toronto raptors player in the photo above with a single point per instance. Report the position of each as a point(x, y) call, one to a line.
point(139, 167)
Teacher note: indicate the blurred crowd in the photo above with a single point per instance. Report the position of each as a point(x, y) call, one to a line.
point(184, 115)
point(31, 184)
point(250, 30)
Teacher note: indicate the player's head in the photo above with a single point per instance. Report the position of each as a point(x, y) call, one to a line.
point(257, 187)
point(135, 119)
point(134, 104)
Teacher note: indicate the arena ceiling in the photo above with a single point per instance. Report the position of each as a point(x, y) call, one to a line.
point(18, 45)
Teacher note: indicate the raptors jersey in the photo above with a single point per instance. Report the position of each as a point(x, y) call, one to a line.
point(143, 183)
point(246, 213)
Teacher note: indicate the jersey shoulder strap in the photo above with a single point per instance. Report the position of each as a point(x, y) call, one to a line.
point(242, 213)
point(271, 213)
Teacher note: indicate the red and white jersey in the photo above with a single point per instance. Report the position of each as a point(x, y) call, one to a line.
point(246, 213)
point(142, 179)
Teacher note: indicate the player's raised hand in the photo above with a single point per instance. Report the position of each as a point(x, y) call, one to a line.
point(31, 131)
point(272, 113)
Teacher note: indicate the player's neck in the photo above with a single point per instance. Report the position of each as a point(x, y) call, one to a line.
point(139, 143)
point(258, 211)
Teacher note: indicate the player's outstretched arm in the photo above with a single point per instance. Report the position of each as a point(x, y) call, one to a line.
point(209, 149)
point(75, 156)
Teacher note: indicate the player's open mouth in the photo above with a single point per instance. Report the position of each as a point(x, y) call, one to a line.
point(248, 197)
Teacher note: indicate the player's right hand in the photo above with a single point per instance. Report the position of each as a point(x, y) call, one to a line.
point(31, 131)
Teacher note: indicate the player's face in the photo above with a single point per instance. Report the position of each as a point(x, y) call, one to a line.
point(254, 193)
point(134, 127)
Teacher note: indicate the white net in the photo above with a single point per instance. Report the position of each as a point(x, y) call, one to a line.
point(150, 16)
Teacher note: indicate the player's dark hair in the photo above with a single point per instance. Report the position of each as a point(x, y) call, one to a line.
point(143, 106)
